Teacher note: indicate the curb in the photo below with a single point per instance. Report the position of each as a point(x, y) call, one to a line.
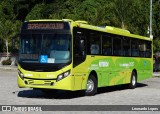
point(156, 74)
point(8, 67)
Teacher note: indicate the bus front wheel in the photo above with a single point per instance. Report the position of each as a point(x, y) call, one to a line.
point(133, 81)
point(91, 86)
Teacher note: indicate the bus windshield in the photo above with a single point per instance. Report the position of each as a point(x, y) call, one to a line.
point(45, 48)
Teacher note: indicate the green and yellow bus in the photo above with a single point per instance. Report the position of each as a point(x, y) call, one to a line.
point(73, 55)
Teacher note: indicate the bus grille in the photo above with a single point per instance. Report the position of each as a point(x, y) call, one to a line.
point(39, 82)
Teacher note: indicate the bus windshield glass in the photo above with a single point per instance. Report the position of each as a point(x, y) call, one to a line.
point(45, 46)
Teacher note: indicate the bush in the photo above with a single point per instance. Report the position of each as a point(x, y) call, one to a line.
point(6, 62)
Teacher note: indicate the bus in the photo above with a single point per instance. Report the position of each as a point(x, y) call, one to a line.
point(74, 55)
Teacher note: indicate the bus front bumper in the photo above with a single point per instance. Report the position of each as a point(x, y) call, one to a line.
point(64, 84)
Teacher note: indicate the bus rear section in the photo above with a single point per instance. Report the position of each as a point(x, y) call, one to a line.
point(110, 56)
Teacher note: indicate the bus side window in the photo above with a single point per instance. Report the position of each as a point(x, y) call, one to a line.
point(126, 46)
point(145, 49)
point(93, 43)
point(142, 48)
point(107, 45)
point(134, 47)
point(148, 52)
point(117, 46)
point(94, 49)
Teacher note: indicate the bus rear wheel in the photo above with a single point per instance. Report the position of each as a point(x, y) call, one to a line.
point(133, 81)
point(91, 86)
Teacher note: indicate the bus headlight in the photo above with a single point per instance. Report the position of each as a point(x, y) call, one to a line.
point(20, 74)
point(63, 75)
point(66, 74)
point(60, 77)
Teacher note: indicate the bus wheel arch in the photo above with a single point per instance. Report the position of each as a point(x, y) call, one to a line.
point(133, 79)
point(134, 70)
point(93, 73)
point(92, 84)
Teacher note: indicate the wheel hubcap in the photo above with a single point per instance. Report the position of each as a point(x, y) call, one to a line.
point(90, 85)
point(133, 80)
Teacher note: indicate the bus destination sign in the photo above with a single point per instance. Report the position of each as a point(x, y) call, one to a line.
point(45, 26)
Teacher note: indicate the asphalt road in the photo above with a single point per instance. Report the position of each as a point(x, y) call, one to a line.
point(147, 93)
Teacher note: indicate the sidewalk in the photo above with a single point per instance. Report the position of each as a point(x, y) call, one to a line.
point(157, 74)
point(8, 67)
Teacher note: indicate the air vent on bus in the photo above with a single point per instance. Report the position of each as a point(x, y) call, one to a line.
point(83, 22)
point(68, 20)
point(119, 30)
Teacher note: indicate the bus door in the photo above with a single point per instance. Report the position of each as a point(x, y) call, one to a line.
point(79, 56)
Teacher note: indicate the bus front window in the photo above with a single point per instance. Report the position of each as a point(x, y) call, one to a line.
point(45, 48)
point(60, 49)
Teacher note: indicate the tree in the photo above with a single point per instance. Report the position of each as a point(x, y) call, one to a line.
point(121, 10)
point(36, 12)
point(9, 26)
point(156, 18)
point(127, 14)
point(5, 32)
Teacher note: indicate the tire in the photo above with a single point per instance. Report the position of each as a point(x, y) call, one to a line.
point(133, 81)
point(91, 86)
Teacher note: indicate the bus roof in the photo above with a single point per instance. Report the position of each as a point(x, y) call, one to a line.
point(112, 30)
point(52, 20)
point(108, 29)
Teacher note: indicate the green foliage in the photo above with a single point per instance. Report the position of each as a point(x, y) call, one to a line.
point(156, 45)
point(8, 31)
point(127, 14)
point(6, 62)
point(7, 10)
point(9, 26)
point(156, 18)
point(37, 12)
